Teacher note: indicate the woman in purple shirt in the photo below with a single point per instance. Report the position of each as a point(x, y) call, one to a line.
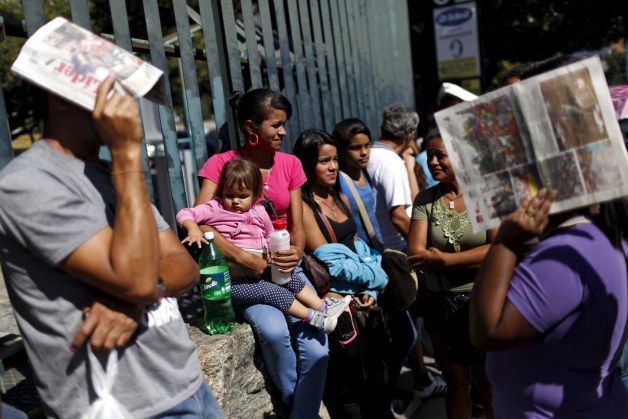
point(555, 323)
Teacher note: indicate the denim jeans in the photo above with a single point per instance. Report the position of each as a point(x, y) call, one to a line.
point(10, 412)
point(299, 376)
point(201, 405)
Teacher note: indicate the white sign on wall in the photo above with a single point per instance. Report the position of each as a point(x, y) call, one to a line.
point(456, 33)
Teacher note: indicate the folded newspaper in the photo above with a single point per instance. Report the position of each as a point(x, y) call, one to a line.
point(557, 130)
point(70, 61)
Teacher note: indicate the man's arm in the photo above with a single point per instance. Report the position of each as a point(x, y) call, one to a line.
point(176, 267)
point(110, 323)
point(123, 261)
point(409, 161)
point(399, 218)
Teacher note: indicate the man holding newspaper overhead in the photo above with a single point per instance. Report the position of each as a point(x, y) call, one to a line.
point(91, 267)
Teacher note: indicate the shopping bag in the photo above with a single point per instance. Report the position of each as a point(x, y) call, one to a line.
point(105, 406)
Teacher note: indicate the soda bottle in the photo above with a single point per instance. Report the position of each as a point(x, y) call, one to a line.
point(279, 240)
point(215, 289)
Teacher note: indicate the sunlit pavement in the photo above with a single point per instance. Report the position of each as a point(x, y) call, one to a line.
point(432, 408)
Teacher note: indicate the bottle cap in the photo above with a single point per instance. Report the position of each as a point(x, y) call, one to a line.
point(209, 235)
point(279, 224)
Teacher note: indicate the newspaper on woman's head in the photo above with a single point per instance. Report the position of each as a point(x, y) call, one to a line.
point(557, 130)
point(70, 61)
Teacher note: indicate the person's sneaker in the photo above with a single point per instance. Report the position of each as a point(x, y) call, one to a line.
point(320, 321)
point(437, 387)
point(335, 307)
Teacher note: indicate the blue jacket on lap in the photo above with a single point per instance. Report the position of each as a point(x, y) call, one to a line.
point(358, 272)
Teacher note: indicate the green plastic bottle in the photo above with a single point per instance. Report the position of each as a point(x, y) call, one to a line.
point(215, 289)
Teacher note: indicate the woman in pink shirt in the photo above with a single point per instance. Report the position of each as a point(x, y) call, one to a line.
point(236, 216)
point(262, 115)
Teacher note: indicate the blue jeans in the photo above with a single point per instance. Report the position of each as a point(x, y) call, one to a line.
point(10, 412)
point(201, 405)
point(299, 376)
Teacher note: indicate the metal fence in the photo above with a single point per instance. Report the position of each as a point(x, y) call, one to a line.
point(332, 59)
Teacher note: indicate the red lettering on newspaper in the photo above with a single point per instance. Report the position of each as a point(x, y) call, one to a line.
point(75, 78)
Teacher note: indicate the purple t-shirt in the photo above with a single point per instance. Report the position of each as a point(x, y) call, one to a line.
point(573, 289)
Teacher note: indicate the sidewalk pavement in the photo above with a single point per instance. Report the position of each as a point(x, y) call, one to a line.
point(17, 384)
point(7, 320)
point(433, 408)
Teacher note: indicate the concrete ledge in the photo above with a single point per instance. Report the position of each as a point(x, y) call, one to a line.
point(234, 370)
point(233, 367)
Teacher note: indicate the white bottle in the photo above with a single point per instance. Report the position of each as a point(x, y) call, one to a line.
point(279, 240)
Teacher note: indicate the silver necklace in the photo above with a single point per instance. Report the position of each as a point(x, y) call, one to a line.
point(451, 201)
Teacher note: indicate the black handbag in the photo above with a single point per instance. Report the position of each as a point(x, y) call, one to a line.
point(318, 272)
point(403, 284)
point(362, 335)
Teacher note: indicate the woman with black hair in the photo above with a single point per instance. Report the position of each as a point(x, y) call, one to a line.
point(443, 246)
point(354, 386)
point(353, 140)
point(555, 323)
point(298, 372)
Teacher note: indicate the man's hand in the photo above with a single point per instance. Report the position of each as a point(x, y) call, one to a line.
point(117, 118)
point(409, 159)
point(108, 324)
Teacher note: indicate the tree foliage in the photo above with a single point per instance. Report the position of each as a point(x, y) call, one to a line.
point(530, 30)
point(522, 31)
point(19, 102)
point(527, 30)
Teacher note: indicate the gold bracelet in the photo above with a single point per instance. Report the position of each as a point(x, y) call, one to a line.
point(122, 172)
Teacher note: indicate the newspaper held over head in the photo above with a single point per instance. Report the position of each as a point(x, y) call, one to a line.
point(557, 130)
point(70, 61)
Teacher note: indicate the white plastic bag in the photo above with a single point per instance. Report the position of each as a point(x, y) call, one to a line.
point(105, 406)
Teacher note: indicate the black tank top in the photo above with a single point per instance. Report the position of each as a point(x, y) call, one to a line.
point(345, 231)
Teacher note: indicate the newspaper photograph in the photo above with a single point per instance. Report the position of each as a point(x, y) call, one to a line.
point(70, 61)
point(619, 94)
point(557, 130)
